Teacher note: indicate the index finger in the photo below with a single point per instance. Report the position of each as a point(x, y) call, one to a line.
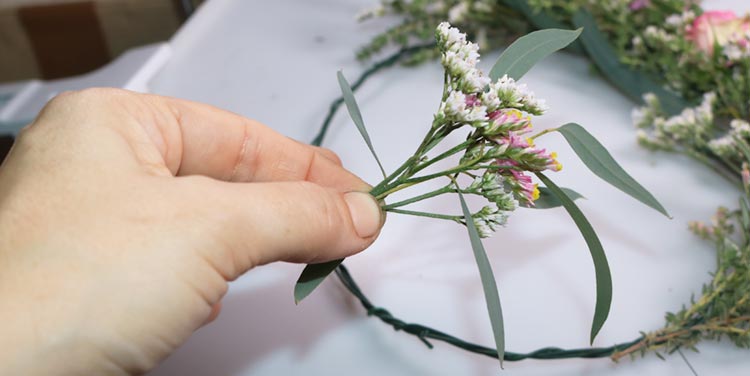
point(198, 139)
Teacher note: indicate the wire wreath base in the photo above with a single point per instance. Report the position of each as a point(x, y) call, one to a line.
point(425, 333)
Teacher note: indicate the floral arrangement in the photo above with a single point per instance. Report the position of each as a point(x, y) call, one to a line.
point(498, 159)
point(689, 69)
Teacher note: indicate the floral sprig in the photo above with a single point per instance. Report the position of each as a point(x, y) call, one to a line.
point(702, 56)
point(498, 154)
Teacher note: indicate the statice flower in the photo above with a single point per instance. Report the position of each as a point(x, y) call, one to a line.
point(499, 153)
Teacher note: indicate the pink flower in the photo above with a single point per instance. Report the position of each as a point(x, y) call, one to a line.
point(716, 27)
point(639, 4)
point(472, 100)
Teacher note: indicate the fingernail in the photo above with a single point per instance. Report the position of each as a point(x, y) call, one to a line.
point(365, 213)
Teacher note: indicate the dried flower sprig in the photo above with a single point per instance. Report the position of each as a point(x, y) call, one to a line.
point(672, 39)
point(497, 154)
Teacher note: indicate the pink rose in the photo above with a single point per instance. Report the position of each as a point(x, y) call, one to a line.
point(716, 27)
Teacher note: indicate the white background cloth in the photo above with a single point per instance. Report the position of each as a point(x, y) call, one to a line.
point(275, 61)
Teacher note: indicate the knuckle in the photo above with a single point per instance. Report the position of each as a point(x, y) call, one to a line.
point(330, 155)
point(328, 210)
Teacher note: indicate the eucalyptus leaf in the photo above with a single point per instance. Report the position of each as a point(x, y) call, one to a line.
point(631, 83)
point(601, 266)
point(311, 277)
point(491, 294)
point(601, 163)
point(548, 200)
point(745, 214)
point(356, 115)
point(528, 50)
point(541, 20)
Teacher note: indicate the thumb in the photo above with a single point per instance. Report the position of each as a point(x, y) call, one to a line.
point(299, 221)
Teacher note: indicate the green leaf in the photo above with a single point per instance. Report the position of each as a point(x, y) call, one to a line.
point(601, 266)
point(491, 295)
point(548, 200)
point(356, 115)
point(528, 50)
point(745, 214)
point(311, 277)
point(601, 163)
point(541, 20)
point(631, 83)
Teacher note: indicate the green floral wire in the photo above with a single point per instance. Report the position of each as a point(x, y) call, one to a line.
point(425, 333)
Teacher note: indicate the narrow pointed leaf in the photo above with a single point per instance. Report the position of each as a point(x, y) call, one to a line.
point(541, 20)
point(601, 266)
point(601, 163)
point(356, 115)
point(631, 83)
point(491, 294)
point(311, 277)
point(548, 200)
point(745, 214)
point(528, 50)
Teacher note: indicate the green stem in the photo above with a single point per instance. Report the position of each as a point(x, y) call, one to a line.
point(455, 218)
point(448, 153)
point(393, 189)
point(437, 192)
point(542, 133)
point(469, 166)
point(377, 190)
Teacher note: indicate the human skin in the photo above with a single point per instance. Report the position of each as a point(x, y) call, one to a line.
point(123, 216)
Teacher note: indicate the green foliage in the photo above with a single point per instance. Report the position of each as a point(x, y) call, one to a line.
point(489, 286)
point(722, 310)
point(356, 115)
point(312, 276)
point(601, 163)
point(548, 200)
point(601, 266)
point(528, 50)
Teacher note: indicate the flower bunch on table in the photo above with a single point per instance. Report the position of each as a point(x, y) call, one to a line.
point(499, 156)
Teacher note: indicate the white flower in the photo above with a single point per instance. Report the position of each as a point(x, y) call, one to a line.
point(476, 113)
point(740, 128)
point(733, 52)
point(491, 100)
point(455, 104)
point(674, 20)
point(651, 100)
point(474, 81)
point(488, 220)
point(723, 146)
point(534, 105)
point(638, 115)
point(449, 36)
point(455, 64)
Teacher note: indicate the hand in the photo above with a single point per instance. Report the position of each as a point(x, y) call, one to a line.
point(123, 216)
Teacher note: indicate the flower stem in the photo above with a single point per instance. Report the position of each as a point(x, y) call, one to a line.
point(446, 154)
point(542, 133)
point(376, 191)
point(437, 192)
point(455, 218)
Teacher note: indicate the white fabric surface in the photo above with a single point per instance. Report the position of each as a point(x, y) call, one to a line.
point(276, 61)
